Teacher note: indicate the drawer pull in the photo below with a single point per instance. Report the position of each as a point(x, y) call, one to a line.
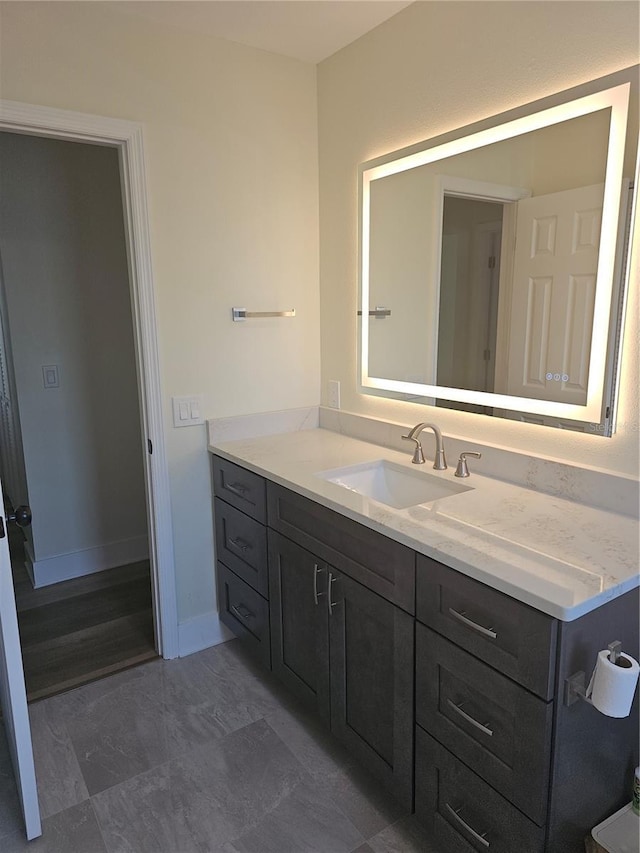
point(240, 544)
point(316, 572)
point(458, 709)
point(456, 816)
point(462, 617)
point(242, 611)
point(331, 604)
point(238, 489)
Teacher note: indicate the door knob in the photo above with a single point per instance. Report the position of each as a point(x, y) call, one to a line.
point(21, 516)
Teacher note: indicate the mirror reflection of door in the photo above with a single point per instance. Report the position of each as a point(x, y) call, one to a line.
point(543, 351)
point(554, 286)
point(469, 289)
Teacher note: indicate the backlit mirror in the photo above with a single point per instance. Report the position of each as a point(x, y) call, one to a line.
point(492, 261)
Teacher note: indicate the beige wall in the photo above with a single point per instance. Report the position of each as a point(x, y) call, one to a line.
point(231, 154)
point(432, 68)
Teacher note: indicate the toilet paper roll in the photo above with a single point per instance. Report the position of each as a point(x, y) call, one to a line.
point(613, 685)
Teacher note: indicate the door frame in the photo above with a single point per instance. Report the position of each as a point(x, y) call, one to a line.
point(508, 196)
point(127, 137)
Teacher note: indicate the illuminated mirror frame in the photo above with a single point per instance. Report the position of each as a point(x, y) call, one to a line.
point(549, 111)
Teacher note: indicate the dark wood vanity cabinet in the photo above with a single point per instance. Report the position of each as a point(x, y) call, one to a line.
point(509, 636)
point(299, 623)
point(312, 595)
point(347, 618)
point(245, 612)
point(498, 729)
point(461, 812)
point(502, 763)
point(377, 562)
point(348, 654)
point(242, 575)
point(240, 488)
point(485, 672)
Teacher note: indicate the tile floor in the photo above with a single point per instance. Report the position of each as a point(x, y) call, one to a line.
point(202, 754)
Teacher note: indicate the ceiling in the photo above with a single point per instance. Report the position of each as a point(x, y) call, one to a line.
point(309, 30)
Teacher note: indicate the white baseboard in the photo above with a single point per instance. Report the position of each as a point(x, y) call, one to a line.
point(77, 564)
point(200, 633)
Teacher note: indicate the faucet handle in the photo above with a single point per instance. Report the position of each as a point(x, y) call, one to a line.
point(463, 469)
point(418, 455)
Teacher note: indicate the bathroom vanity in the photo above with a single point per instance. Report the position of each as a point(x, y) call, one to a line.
point(434, 623)
point(435, 640)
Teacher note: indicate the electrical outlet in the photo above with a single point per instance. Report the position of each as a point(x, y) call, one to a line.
point(334, 393)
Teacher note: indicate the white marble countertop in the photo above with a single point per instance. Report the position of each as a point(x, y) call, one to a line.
point(558, 556)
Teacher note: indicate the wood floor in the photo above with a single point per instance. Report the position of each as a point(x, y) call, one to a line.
point(80, 630)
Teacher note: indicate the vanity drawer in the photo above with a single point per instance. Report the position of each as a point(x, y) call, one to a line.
point(507, 634)
point(245, 612)
point(461, 812)
point(241, 488)
point(241, 544)
point(379, 563)
point(497, 728)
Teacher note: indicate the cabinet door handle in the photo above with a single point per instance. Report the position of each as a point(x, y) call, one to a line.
point(462, 617)
point(316, 572)
point(242, 611)
point(476, 835)
point(240, 544)
point(330, 584)
point(458, 709)
point(237, 489)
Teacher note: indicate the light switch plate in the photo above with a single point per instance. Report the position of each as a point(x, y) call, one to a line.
point(187, 411)
point(50, 376)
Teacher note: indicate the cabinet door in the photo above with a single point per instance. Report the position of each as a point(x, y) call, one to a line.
point(510, 636)
point(462, 813)
point(245, 612)
point(372, 658)
point(367, 556)
point(242, 489)
point(496, 727)
point(299, 632)
point(241, 544)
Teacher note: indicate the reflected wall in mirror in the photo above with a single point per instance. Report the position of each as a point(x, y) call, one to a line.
point(498, 254)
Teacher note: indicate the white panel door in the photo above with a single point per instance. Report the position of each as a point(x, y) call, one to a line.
point(554, 280)
point(13, 696)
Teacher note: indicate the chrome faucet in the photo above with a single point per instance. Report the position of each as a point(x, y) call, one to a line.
point(463, 469)
point(440, 463)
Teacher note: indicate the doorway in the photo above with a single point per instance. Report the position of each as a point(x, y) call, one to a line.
point(68, 306)
point(469, 283)
point(126, 138)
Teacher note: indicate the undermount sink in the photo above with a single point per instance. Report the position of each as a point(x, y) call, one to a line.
point(393, 484)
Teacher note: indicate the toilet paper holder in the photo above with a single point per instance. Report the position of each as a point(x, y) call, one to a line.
point(575, 685)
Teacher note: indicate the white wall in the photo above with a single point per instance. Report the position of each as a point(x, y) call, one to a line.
point(430, 69)
point(67, 287)
point(231, 155)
